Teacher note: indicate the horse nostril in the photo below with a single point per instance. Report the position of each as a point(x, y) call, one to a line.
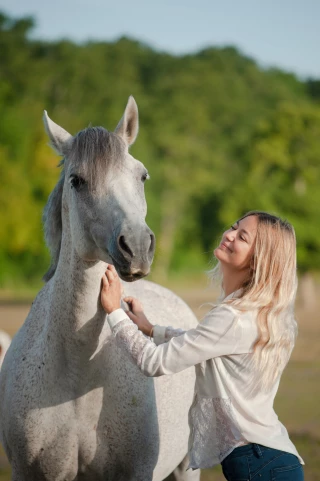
point(152, 242)
point(124, 246)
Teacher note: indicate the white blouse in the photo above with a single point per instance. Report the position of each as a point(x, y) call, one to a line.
point(223, 415)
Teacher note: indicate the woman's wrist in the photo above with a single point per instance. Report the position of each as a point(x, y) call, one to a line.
point(151, 331)
point(111, 309)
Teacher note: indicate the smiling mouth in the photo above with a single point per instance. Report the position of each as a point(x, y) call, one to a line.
point(225, 246)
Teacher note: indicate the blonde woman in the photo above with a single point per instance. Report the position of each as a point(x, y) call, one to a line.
point(239, 352)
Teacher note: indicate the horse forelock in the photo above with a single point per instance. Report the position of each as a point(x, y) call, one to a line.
point(94, 152)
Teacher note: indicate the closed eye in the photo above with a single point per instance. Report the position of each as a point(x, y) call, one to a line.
point(241, 236)
point(233, 227)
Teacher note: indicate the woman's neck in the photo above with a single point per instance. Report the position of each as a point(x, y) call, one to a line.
point(232, 280)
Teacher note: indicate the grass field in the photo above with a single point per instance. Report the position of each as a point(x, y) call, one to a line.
point(297, 402)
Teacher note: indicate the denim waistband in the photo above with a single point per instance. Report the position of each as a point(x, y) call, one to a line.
point(251, 448)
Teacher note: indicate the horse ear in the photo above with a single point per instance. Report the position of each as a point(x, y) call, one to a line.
point(60, 139)
point(128, 126)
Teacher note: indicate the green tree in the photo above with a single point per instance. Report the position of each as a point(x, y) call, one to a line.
point(214, 127)
point(282, 175)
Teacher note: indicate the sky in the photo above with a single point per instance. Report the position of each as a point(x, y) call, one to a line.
point(276, 33)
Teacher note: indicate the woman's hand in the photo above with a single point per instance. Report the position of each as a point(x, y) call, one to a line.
point(111, 290)
point(137, 315)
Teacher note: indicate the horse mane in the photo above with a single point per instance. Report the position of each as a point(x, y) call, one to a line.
point(52, 222)
point(93, 151)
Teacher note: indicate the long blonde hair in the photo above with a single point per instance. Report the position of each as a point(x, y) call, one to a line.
point(271, 290)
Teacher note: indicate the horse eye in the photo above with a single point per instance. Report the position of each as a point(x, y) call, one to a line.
point(76, 182)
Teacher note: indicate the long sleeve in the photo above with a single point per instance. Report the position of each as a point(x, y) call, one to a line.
point(163, 334)
point(217, 335)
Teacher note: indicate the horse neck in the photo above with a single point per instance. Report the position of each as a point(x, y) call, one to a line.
point(75, 296)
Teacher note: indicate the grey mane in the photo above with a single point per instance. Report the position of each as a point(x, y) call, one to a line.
point(93, 151)
point(52, 222)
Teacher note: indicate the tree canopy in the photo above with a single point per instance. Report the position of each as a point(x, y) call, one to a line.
point(219, 134)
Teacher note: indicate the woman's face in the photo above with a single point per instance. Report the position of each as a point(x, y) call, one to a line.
point(237, 244)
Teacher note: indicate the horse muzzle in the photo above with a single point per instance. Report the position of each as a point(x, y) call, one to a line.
point(133, 253)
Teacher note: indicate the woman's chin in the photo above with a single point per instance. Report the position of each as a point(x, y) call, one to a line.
point(218, 253)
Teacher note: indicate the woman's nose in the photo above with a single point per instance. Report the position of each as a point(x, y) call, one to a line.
point(230, 235)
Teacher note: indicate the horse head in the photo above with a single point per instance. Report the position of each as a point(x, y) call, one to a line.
point(99, 200)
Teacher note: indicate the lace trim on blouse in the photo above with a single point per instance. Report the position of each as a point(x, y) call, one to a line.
point(133, 345)
point(214, 431)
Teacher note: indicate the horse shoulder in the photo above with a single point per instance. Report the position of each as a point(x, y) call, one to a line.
point(161, 305)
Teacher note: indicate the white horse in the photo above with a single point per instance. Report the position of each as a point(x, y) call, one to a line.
point(5, 341)
point(73, 407)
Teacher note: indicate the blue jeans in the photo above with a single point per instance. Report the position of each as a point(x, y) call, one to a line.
point(259, 463)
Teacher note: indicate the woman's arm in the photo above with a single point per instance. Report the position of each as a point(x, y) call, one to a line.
point(111, 299)
point(163, 334)
point(160, 334)
point(219, 334)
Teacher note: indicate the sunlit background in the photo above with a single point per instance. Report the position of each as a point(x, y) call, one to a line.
point(229, 102)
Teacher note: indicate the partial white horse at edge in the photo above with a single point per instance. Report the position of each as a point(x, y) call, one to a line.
point(73, 407)
point(5, 341)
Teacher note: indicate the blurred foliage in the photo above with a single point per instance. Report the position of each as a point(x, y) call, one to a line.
point(219, 135)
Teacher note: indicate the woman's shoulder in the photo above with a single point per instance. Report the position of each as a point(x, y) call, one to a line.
point(228, 320)
point(227, 312)
point(235, 312)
